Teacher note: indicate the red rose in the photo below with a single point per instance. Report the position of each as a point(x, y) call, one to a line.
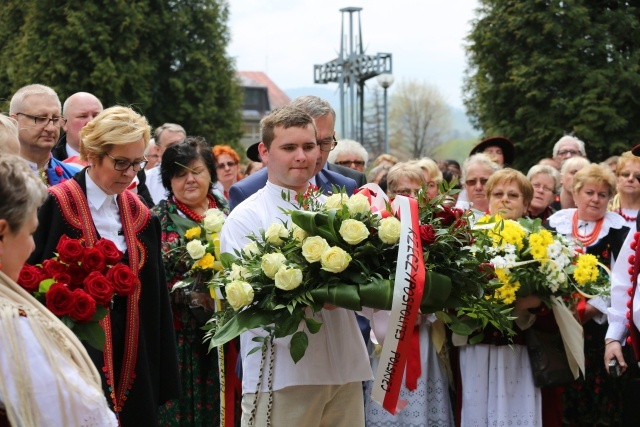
point(76, 274)
point(30, 277)
point(69, 250)
point(427, 234)
point(446, 216)
point(53, 268)
point(123, 280)
point(84, 307)
point(62, 277)
point(99, 287)
point(111, 253)
point(488, 269)
point(59, 299)
point(93, 260)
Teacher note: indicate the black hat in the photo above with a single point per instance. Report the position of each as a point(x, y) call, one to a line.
point(507, 147)
point(636, 150)
point(252, 153)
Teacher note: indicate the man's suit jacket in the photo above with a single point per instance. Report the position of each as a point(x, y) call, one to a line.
point(59, 151)
point(358, 177)
point(324, 179)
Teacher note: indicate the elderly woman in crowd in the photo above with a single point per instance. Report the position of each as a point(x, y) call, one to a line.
point(227, 167)
point(9, 143)
point(487, 397)
point(427, 394)
point(596, 399)
point(350, 154)
point(545, 181)
point(188, 172)
point(569, 168)
point(46, 375)
point(139, 361)
point(626, 202)
point(432, 175)
point(476, 171)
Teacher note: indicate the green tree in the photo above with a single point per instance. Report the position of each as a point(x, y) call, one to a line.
point(166, 58)
point(419, 119)
point(541, 68)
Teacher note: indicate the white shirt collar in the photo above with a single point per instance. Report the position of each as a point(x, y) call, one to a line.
point(71, 151)
point(32, 165)
point(95, 195)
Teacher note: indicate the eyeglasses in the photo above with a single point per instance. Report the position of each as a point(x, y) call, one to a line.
point(226, 165)
point(407, 192)
point(569, 152)
point(473, 182)
point(347, 163)
point(123, 165)
point(328, 144)
point(510, 196)
point(542, 187)
point(628, 174)
point(44, 121)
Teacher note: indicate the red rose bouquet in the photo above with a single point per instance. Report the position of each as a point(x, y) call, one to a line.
point(79, 283)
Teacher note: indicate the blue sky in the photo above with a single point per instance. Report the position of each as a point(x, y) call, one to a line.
point(285, 38)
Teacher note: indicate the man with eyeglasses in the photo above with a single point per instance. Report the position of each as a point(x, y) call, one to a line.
point(325, 177)
point(165, 136)
point(567, 147)
point(37, 110)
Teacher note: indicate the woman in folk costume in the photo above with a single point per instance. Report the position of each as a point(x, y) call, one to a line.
point(425, 385)
point(46, 375)
point(595, 399)
point(139, 364)
point(626, 202)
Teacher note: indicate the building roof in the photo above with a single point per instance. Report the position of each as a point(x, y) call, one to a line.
point(277, 98)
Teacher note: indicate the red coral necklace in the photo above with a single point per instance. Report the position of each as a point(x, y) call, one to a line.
point(585, 239)
point(626, 217)
point(190, 213)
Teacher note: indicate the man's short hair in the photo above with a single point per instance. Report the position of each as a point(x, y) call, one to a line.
point(314, 106)
point(286, 117)
point(17, 100)
point(171, 127)
point(578, 141)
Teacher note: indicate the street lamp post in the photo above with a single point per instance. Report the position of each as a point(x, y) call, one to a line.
point(385, 80)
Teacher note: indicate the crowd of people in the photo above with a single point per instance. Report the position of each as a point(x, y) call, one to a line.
point(108, 176)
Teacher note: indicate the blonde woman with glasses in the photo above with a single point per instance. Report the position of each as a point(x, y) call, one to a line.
point(626, 202)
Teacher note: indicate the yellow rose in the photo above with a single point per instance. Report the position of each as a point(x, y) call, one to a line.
point(288, 278)
point(335, 260)
point(196, 249)
point(206, 262)
point(239, 294)
point(275, 233)
point(389, 230)
point(353, 231)
point(298, 233)
point(313, 248)
point(213, 220)
point(358, 204)
point(271, 263)
point(336, 201)
point(238, 272)
point(193, 233)
point(251, 249)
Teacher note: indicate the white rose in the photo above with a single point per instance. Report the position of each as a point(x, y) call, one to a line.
point(336, 201)
point(271, 263)
point(239, 294)
point(275, 233)
point(213, 221)
point(335, 260)
point(389, 230)
point(251, 249)
point(288, 278)
point(238, 272)
point(298, 233)
point(313, 248)
point(196, 249)
point(358, 204)
point(353, 231)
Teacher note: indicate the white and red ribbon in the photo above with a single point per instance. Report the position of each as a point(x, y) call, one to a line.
point(407, 295)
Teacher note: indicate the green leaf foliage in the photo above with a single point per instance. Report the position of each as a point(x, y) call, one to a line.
point(299, 344)
point(541, 69)
point(165, 58)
